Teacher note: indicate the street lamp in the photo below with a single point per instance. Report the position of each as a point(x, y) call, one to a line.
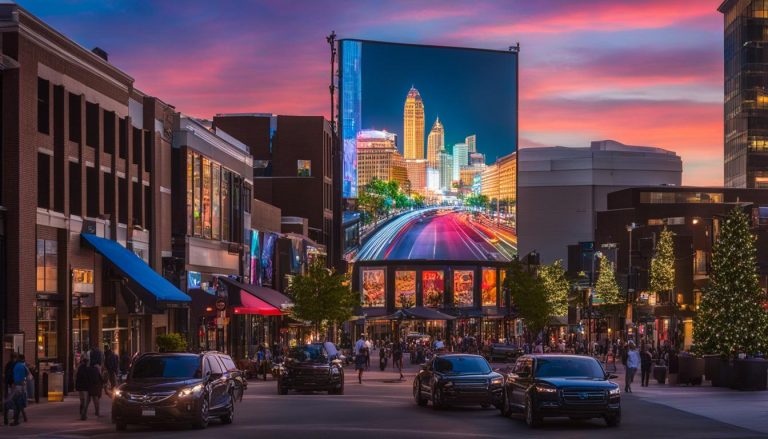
point(597, 255)
point(630, 291)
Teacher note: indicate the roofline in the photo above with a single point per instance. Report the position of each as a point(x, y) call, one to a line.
point(725, 5)
point(434, 46)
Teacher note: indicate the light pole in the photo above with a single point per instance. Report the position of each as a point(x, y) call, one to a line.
point(596, 255)
point(630, 290)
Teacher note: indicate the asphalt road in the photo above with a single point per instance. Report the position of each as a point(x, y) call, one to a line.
point(447, 236)
point(381, 407)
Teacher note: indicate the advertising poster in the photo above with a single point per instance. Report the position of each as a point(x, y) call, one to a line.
point(267, 264)
point(488, 287)
point(374, 287)
point(463, 283)
point(433, 285)
point(255, 258)
point(405, 289)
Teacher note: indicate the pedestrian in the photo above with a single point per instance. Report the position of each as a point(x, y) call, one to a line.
point(8, 374)
point(633, 362)
point(81, 386)
point(645, 366)
point(111, 366)
point(95, 384)
point(19, 394)
point(397, 357)
point(360, 362)
point(95, 357)
point(267, 361)
point(368, 348)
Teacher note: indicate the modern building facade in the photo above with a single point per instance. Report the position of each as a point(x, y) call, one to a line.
point(413, 125)
point(499, 183)
point(560, 189)
point(746, 100)
point(445, 166)
point(435, 143)
point(417, 175)
point(476, 159)
point(378, 158)
point(471, 142)
point(460, 159)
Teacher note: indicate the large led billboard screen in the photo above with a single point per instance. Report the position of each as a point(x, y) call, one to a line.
point(426, 100)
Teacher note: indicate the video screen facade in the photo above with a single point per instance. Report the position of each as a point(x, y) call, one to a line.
point(445, 110)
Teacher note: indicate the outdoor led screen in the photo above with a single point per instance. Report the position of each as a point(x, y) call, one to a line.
point(403, 89)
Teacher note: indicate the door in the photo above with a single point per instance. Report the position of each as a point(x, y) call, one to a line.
point(217, 384)
point(521, 382)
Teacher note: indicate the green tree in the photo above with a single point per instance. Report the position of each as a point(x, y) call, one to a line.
point(557, 287)
point(322, 296)
point(173, 342)
point(731, 317)
point(476, 200)
point(606, 287)
point(529, 296)
point(663, 264)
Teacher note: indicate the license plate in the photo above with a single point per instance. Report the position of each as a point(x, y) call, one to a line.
point(147, 412)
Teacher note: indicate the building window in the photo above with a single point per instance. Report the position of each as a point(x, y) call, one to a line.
point(122, 198)
point(75, 118)
point(92, 191)
point(680, 197)
point(43, 180)
point(122, 138)
point(47, 266)
point(147, 151)
point(109, 132)
point(215, 201)
point(47, 332)
point(304, 168)
point(148, 207)
point(138, 218)
point(75, 189)
point(206, 198)
point(92, 125)
point(137, 147)
point(246, 198)
point(700, 262)
point(43, 106)
point(109, 196)
point(190, 194)
point(197, 213)
point(226, 213)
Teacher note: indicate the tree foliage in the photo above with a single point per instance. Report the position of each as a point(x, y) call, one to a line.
point(731, 318)
point(476, 200)
point(663, 264)
point(322, 296)
point(529, 297)
point(556, 286)
point(378, 197)
point(606, 287)
point(173, 342)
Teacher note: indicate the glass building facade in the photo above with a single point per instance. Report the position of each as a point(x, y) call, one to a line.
point(745, 93)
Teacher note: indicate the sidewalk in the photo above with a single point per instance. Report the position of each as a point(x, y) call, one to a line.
point(61, 418)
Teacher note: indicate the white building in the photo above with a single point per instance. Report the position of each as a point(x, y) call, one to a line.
point(560, 189)
point(460, 158)
point(445, 162)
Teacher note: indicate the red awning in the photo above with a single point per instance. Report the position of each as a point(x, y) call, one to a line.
point(253, 305)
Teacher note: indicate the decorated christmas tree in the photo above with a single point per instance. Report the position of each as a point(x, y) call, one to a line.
point(606, 287)
point(556, 285)
point(731, 318)
point(663, 264)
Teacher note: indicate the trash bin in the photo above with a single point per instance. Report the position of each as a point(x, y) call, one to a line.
point(55, 386)
point(660, 374)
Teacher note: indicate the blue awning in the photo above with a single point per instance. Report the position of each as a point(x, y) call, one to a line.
point(136, 269)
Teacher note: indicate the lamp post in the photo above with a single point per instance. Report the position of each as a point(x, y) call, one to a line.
point(596, 255)
point(630, 290)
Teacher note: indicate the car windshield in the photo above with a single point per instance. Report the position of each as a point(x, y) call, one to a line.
point(311, 353)
point(574, 367)
point(462, 365)
point(167, 366)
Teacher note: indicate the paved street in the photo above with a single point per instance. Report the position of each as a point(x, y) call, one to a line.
point(382, 407)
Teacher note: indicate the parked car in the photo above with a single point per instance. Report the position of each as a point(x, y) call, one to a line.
point(234, 373)
point(314, 366)
point(502, 352)
point(561, 386)
point(458, 379)
point(164, 388)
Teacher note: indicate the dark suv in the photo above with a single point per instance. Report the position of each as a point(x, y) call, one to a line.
point(175, 388)
point(561, 386)
point(314, 366)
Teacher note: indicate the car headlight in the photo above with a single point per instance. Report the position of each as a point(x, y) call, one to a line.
point(615, 391)
point(497, 381)
point(543, 388)
point(190, 390)
point(117, 393)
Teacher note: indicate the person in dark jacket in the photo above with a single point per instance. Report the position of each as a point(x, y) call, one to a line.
point(81, 386)
point(646, 359)
point(111, 366)
point(95, 384)
point(95, 357)
point(8, 374)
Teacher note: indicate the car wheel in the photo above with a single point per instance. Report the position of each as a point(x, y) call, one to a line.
point(531, 417)
point(121, 426)
point(613, 420)
point(437, 399)
point(230, 416)
point(281, 390)
point(420, 400)
point(202, 417)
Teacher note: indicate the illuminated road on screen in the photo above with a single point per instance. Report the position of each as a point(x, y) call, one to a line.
point(441, 235)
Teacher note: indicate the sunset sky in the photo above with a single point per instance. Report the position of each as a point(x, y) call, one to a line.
point(639, 72)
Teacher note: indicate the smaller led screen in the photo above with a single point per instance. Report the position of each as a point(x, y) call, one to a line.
point(433, 285)
point(463, 283)
point(405, 289)
point(374, 287)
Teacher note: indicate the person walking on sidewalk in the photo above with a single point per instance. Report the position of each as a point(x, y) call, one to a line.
point(19, 393)
point(8, 374)
point(646, 359)
point(95, 384)
point(360, 362)
point(397, 357)
point(81, 386)
point(633, 362)
point(111, 364)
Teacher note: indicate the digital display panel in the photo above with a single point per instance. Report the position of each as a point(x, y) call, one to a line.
point(433, 286)
point(405, 289)
point(488, 287)
point(463, 285)
point(374, 287)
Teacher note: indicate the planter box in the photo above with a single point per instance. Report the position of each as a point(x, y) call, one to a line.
point(751, 374)
point(660, 374)
point(690, 370)
point(711, 366)
point(723, 374)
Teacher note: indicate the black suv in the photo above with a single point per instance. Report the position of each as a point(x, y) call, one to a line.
point(175, 388)
point(561, 386)
point(460, 379)
point(314, 366)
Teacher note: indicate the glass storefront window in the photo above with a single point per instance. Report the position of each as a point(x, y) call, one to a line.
point(433, 287)
point(488, 288)
point(463, 285)
point(47, 346)
point(225, 179)
point(215, 201)
point(197, 202)
point(190, 194)
point(206, 198)
point(405, 289)
point(47, 261)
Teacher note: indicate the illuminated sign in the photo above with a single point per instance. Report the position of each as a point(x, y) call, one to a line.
point(374, 287)
point(433, 286)
point(463, 287)
point(405, 289)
